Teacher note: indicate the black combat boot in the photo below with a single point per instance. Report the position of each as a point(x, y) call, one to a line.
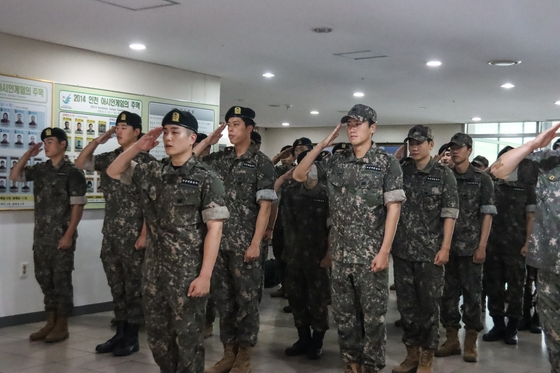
point(536, 324)
point(315, 349)
point(302, 344)
point(497, 332)
point(110, 345)
point(129, 343)
point(510, 335)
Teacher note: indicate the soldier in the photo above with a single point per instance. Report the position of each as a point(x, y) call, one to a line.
point(463, 271)
point(541, 169)
point(444, 155)
point(184, 212)
point(421, 248)
point(124, 237)
point(364, 186)
point(248, 177)
point(505, 259)
point(256, 139)
point(340, 148)
point(480, 163)
point(305, 214)
point(59, 192)
point(199, 138)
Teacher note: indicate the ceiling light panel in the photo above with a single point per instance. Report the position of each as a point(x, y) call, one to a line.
point(268, 75)
point(507, 86)
point(434, 63)
point(359, 94)
point(136, 5)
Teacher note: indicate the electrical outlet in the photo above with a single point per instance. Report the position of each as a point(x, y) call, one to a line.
point(24, 267)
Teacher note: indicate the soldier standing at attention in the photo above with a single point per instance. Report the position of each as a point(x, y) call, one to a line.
point(541, 169)
point(364, 187)
point(248, 176)
point(59, 192)
point(463, 271)
point(184, 212)
point(422, 247)
point(124, 237)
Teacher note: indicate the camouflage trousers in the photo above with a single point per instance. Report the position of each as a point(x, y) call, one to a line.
point(548, 305)
point(123, 268)
point(357, 291)
point(419, 287)
point(237, 289)
point(53, 271)
point(462, 276)
point(210, 310)
point(277, 250)
point(174, 324)
point(500, 269)
point(307, 288)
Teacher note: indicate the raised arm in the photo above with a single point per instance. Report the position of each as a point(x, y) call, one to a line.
point(302, 169)
point(212, 139)
point(17, 171)
point(85, 158)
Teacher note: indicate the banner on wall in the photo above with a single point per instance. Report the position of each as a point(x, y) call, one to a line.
point(25, 110)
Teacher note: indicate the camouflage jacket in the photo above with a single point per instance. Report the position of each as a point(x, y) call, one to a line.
point(123, 208)
point(358, 190)
point(431, 197)
point(55, 190)
point(281, 170)
point(476, 199)
point(247, 179)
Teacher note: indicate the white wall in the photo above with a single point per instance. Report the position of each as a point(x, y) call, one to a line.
point(61, 64)
point(275, 138)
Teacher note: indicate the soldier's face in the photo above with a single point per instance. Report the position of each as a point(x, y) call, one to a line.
point(445, 158)
point(420, 149)
point(177, 140)
point(238, 132)
point(460, 154)
point(126, 135)
point(299, 149)
point(359, 133)
point(288, 160)
point(54, 147)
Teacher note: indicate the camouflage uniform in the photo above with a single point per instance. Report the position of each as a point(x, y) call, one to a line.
point(121, 228)
point(55, 190)
point(236, 285)
point(178, 203)
point(462, 275)
point(431, 198)
point(504, 262)
point(307, 284)
point(278, 238)
point(542, 169)
point(358, 190)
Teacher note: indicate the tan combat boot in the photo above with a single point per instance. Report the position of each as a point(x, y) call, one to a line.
point(469, 354)
point(60, 331)
point(243, 360)
point(45, 330)
point(426, 361)
point(411, 361)
point(451, 346)
point(224, 365)
point(352, 368)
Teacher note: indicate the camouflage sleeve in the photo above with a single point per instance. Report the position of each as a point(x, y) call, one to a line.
point(213, 199)
point(393, 183)
point(322, 168)
point(77, 187)
point(531, 205)
point(450, 200)
point(211, 159)
point(266, 177)
point(29, 173)
point(129, 175)
point(100, 162)
point(487, 204)
point(526, 172)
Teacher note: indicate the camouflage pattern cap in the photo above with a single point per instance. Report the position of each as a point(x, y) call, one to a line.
point(420, 133)
point(461, 139)
point(360, 113)
point(480, 161)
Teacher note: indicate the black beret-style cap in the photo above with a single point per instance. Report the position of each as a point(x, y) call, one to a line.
point(302, 141)
point(240, 112)
point(200, 137)
point(256, 137)
point(180, 118)
point(340, 146)
point(133, 120)
point(54, 132)
point(444, 148)
point(303, 154)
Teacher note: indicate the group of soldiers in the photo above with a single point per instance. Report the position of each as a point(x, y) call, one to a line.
point(176, 227)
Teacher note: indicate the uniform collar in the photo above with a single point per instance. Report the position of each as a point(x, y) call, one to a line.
point(467, 175)
point(350, 157)
point(428, 167)
point(249, 154)
point(183, 170)
point(62, 162)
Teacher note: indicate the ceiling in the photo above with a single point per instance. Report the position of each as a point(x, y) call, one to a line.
point(239, 40)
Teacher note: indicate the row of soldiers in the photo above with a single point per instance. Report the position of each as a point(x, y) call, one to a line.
point(204, 218)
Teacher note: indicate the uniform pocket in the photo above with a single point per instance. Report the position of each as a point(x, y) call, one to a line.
point(186, 208)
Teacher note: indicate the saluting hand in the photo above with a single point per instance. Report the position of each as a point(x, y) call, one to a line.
point(35, 149)
point(544, 138)
point(215, 136)
point(106, 136)
point(149, 140)
point(330, 138)
point(199, 287)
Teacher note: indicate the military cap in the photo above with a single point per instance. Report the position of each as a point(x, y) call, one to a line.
point(180, 118)
point(556, 144)
point(420, 133)
point(241, 112)
point(131, 119)
point(480, 161)
point(256, 137)
point(200, 137)
point(360, 113)
point(340, 146)
point(461, 139)
point(285, 147)
point(505, 150)
point(303, 154)
point(302, 141)
point(444, 148)
point(54, 132)
point(325, 153)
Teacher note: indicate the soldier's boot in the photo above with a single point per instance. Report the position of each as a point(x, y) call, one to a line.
point(426, 361)
point(398, 323)
point(45, 330)
point(497, 332)
point(525, 322)
point(60, 330)
point(451, 346)
point(110, 345)
point(470, 354)
point(278, 293)
point(243, 360)
point(302, 344)
point(535, 324)
point(129, 344)
point(315, 349)
point(410, 362)
point(208, 330)
point(510, 334)
point(352, 368)
point(227, 362)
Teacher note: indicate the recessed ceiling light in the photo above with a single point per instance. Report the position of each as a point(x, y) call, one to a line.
point(358, 94)
point(434, 63)
point(507, 86)
point(137, 47)
point(476, 119)
point(557, 102)
point(503, 63)
point(322, 30)
point(285, 124)
point(268, 75)
point(239, 100)
point(422, 107)
point(314, 112)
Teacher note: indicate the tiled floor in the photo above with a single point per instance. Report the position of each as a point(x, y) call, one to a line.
point(76, 355)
